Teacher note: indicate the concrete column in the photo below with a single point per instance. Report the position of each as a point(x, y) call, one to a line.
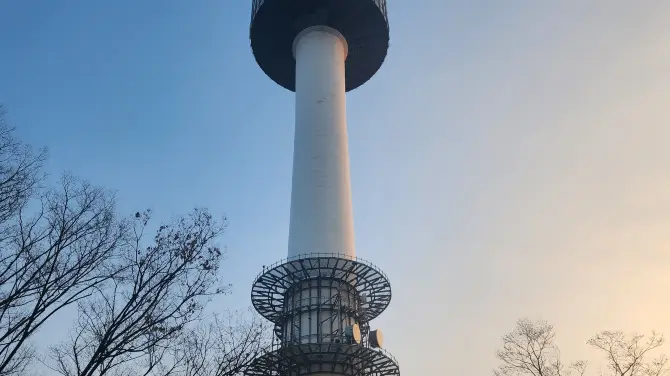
point(321, 211)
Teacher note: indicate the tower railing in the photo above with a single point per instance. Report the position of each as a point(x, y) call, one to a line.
point(302, 359)
point(256, 5)
point(304, 256)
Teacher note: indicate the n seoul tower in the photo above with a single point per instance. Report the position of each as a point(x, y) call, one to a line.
point(322, 298)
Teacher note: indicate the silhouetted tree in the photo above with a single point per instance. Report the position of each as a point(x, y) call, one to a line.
point(530, 350)
point(20, 172)
point(626, 353)
point(142, 312)
point(224, 346)
point(139, 304)
point(56, 247)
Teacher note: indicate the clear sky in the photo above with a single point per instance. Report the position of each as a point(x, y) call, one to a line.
point(510, 158)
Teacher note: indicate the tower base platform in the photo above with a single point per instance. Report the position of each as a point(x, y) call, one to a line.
point(324, 358)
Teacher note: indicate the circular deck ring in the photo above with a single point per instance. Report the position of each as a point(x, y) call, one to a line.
point(269, 288)
point(318, 358)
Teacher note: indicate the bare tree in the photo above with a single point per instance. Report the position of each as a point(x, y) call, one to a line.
point(139, 307)
point(56, 247)
point(626, 353)
point(142, 311)
point(224, 347)
point(530, 350)
point(20, 172)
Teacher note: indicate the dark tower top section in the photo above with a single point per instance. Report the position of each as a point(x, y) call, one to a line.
point(276, 23)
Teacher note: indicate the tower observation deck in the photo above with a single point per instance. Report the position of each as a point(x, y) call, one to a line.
point(321, 298)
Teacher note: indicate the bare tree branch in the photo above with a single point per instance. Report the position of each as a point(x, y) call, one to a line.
point(139, 308)
point(161, 290)
point(579, 367)
point(56, 247)
point(224, 346)
point(530, 350)
point(626, 353)
point(20, 172)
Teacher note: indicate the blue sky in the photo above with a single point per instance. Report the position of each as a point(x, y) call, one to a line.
point(507, 159)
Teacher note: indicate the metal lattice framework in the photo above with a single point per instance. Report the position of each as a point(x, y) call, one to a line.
point(333, 304)
point(268, 293)
point(305, 359)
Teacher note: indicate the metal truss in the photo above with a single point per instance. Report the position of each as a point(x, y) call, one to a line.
point(371, 285)
point(305, 359)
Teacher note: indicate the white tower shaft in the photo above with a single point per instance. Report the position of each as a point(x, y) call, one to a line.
point(321, 210)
